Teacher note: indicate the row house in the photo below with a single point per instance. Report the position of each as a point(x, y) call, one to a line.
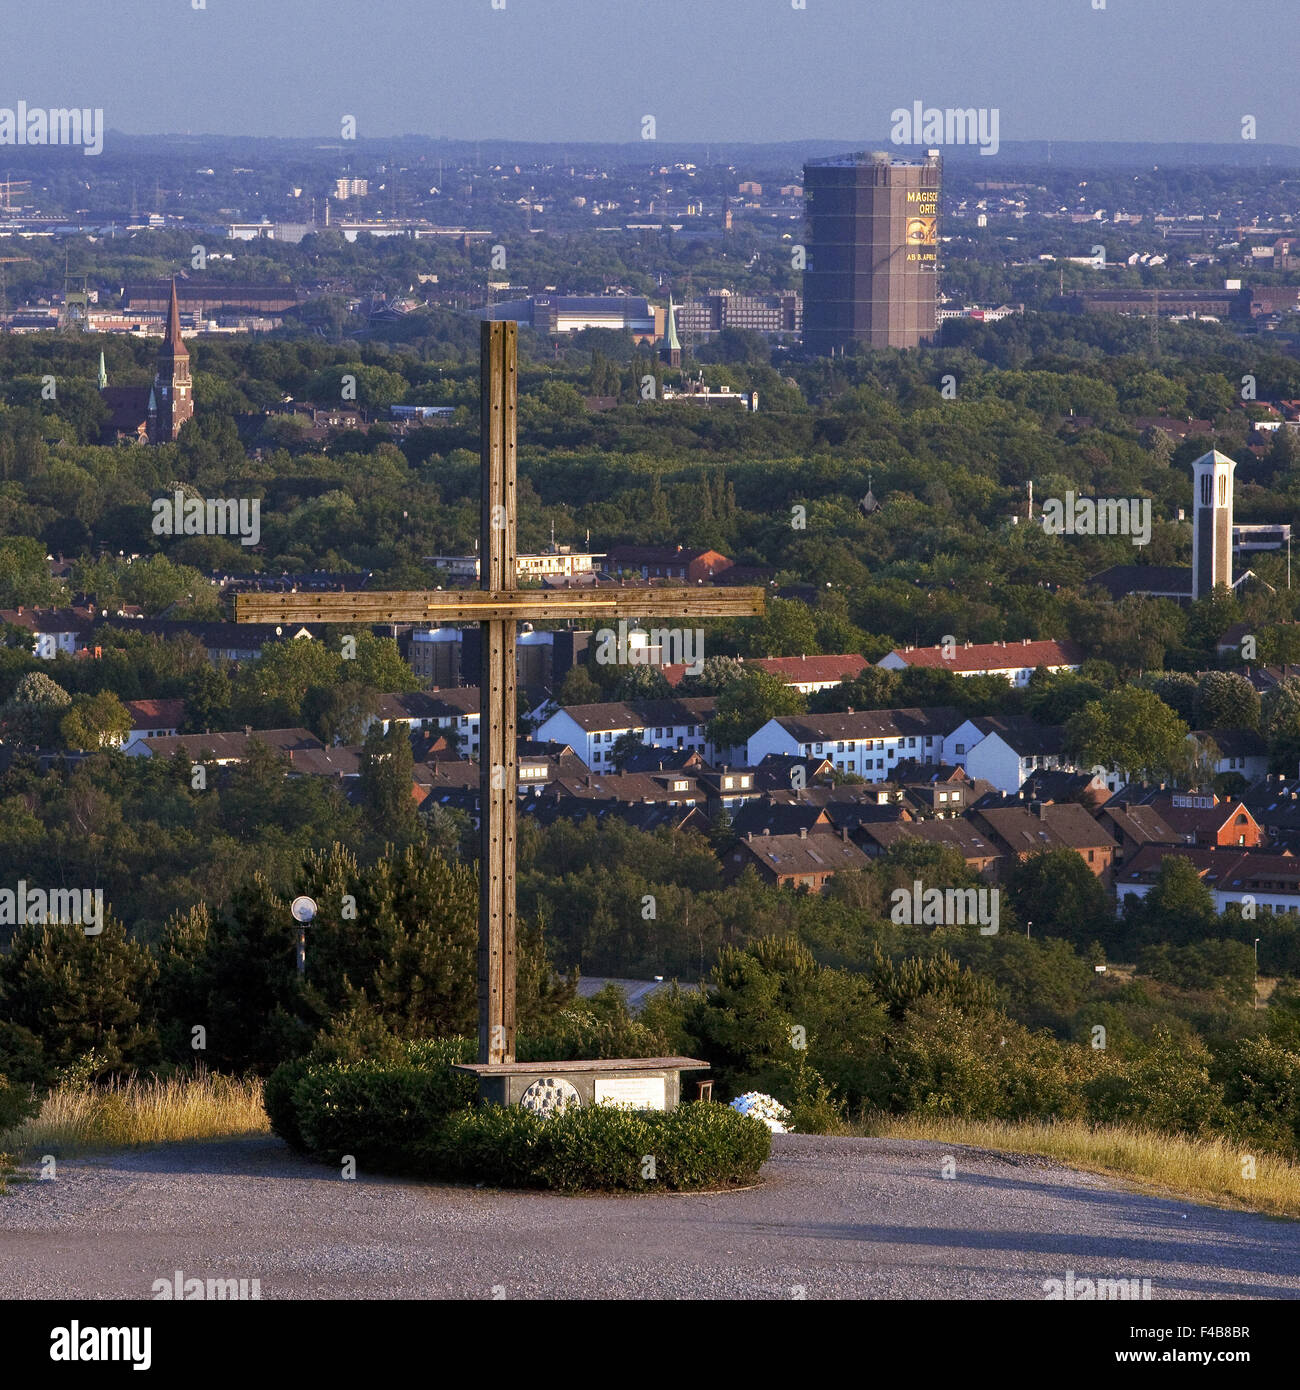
point(53, 630)
point(1271, 882)
point(1006, 750)
point(454, 711)
point(1023, 831)
point(868, 743)
point(666, 562)
point(1015, 662)
point(592, 730)
point(639, 815)
point(807, 859)
point(153, 719)
point(1274, 801)
point(631, 788)
point(1195, 818)
point(806, 674)
point(978, 850)
point(225, 748)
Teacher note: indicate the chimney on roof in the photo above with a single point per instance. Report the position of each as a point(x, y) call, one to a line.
point(767, 830)
point(248, 731)
point(803, 832)
point(1036, 809)
point(844, 833)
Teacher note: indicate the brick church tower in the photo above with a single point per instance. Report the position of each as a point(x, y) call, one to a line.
point(173, 391)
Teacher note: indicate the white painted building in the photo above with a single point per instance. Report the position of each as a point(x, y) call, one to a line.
point(866, 743)
point(1005, 751)
point(53, 630)
point(1266, 882)
point(561, 561)
point(451, 711)
point(1242, 751)
point(152, 719)
point(592, 730)
point(1015, 662)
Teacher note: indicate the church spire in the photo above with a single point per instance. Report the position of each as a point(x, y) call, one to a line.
point(103, 373)
point(671, 351)
point(173, 386)
point(173, 343)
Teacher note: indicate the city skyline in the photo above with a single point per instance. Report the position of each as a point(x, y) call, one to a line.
point(727, 71)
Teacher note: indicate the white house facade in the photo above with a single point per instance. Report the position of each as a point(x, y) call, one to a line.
point(593, 730)
point(1015, 662)
point(868, 744)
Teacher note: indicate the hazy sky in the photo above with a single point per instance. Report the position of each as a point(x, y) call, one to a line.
point(745, 70)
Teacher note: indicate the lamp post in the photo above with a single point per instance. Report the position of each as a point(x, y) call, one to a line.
point(302, 910)
point(1028, 924)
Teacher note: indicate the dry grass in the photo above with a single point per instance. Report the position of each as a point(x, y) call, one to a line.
point(78, 1118)
point(1204, 1170)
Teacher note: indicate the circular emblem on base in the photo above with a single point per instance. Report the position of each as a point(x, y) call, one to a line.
point(549, 1095)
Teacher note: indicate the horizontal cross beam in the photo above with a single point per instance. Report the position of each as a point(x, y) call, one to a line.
point(515, 605)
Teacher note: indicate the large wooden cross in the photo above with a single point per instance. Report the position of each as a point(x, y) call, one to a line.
point(498, 606)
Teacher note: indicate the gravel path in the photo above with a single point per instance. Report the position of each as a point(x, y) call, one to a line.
point(834, 1218)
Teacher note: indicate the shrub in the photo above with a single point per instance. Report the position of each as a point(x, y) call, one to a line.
point(17, 1103)
point(586, 1032)
point(495, 1144)
point(1261, 1093)
point(706, 1145)
point(1166, 1087)
point(376, 1112)
point(278, 1100)
point(339, 1052)
point(600, 1148)
point(418, 1117)
point(984, 1067)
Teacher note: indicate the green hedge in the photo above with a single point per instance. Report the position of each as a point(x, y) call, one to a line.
point(279, 1104)
point(330, 1105)
point(420, 1119)
point(600, 1148)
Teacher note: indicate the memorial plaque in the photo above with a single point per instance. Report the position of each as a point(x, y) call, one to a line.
point(550, 1095)
point(640, 1092)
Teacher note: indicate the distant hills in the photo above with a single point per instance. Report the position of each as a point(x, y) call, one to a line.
point(1067, 153)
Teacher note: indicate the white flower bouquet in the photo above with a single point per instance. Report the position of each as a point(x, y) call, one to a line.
point(766, 1108)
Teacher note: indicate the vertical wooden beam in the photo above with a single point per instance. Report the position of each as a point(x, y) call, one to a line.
point(498, 771)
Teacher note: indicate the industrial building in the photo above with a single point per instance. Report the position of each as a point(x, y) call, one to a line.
point(872, 269)
point(554, 315)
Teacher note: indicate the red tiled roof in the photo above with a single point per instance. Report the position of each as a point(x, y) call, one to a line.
point(155, 714)
point(793, 670)
point(993, 656)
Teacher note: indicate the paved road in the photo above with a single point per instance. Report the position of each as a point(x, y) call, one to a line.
point(834, 1218)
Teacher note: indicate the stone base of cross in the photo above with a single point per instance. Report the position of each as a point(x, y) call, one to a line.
point(499, 605)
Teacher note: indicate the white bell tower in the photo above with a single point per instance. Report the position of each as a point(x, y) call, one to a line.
point(1211, 522)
